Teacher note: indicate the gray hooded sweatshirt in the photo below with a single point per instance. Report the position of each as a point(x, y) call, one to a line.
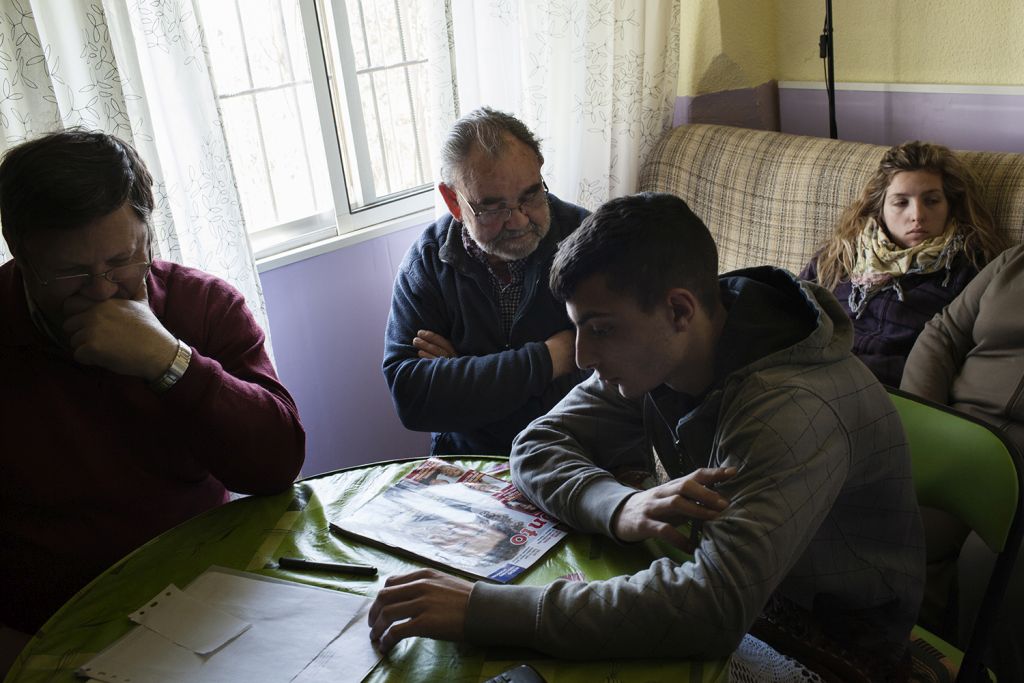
point(822, 513)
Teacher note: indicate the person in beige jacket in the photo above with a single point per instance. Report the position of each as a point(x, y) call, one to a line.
point(971, 358)
point(971, 355)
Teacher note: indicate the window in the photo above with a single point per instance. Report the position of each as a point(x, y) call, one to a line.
point(319, 102)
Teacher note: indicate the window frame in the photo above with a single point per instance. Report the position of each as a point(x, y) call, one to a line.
point(412, 207)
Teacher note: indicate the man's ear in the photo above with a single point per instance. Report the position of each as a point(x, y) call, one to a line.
point(683, 305)
point(451, 200)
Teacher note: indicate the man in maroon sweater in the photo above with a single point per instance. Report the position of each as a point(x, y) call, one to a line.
point(133, 393)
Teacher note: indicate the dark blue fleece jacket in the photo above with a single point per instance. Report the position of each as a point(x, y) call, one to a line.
point(475, 403)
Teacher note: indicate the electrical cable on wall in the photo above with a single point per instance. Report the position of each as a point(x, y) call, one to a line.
point(825, 52)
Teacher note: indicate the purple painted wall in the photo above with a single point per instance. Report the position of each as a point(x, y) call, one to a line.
point(982, 122)
point(327, 317)
point(972, 121)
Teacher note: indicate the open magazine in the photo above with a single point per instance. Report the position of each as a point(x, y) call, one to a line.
point(469, 521)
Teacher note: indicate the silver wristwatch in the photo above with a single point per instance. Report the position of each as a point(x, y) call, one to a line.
point(176, 369)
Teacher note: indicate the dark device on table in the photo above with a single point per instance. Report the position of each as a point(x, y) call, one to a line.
point(524, 673)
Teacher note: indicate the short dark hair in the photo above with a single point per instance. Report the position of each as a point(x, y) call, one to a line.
point(68, 179)
point(644, 245)
point(485, 128)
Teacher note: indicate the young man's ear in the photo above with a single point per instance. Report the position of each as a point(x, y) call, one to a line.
point(451, 200)
point(683, 305)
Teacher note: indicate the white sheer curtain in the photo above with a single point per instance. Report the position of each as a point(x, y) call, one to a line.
point(136, 69)
point(594, 79)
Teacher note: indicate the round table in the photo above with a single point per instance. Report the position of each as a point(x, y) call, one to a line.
point(251, 533)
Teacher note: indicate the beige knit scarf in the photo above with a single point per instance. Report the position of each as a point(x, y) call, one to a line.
point(881, 262)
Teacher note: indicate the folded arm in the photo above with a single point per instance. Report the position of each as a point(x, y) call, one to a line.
point(435, 392)
point(564, 461)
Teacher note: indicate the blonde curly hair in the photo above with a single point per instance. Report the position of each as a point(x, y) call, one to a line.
point(982, 242)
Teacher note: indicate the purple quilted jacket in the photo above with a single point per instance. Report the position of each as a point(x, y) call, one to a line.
point(886, 328)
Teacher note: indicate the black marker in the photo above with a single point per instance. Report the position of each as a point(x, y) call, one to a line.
point(331, 567)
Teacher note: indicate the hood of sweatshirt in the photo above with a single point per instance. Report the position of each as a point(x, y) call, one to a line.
point(773, 319)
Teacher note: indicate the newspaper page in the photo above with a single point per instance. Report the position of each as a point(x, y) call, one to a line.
point(469, 521)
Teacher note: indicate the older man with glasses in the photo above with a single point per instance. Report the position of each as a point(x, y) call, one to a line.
point(135, 393)
point(476, 347)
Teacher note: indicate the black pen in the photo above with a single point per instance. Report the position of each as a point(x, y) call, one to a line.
point(332, 567)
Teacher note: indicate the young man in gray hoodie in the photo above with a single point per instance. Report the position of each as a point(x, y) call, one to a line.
point(742, 393)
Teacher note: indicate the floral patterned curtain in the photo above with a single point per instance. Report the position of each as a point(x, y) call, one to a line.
point(594, 79)
point(136, 69)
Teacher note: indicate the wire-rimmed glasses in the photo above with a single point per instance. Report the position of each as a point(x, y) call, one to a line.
point(494, 218)
point(131, 272)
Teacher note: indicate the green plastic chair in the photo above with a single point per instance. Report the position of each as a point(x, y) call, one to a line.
point(970, 470)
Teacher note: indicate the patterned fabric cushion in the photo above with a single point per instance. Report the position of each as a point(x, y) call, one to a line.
point(773, 198)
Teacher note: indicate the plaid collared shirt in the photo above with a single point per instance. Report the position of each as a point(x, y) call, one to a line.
point(506, 280)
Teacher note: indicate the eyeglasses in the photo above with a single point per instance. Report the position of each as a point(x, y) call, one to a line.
point(119, 274)
point(493, 218)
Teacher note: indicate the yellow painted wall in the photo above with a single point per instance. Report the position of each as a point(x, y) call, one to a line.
point(726, 44)
point(969, 42)
point(743, 43)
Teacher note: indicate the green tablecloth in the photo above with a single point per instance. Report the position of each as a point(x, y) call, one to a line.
point(251, 533)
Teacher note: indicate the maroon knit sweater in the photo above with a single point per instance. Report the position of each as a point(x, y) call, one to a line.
point(94, 464)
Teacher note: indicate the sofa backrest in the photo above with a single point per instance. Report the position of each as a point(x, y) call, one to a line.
point(774, 198)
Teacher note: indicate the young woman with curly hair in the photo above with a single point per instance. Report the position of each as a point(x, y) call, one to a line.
point(913, 240)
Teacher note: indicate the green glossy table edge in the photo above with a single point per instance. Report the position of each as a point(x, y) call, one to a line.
point(251, 533)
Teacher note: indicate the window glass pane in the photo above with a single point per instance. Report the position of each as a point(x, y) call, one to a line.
point(297, 55)
point(247, 160)
point(403, 133)
point(418, 80)
point(414, 15)
point(224, 39)
point(389, 65)
point(390, 116)
point(266, 43)
point(373, 100)
point(321, 184)
point(271, 122)
point(358, 40)
point(382, 21)
point(286, 153)
point(400, 141)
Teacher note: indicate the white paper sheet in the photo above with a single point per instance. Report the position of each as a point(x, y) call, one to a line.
point(292, 626)
point(193, 624)
point(345, 659)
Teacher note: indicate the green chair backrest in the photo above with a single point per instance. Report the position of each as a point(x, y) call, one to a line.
point(961, 466)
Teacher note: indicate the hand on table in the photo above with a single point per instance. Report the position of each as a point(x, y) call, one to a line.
point(431, 345)
point(422, 603)
point(121, 335)
point(656, 512)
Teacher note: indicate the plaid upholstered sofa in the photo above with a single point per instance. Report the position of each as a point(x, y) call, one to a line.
point(773, 198)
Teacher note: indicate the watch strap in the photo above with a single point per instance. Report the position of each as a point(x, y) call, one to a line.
point(175, 370)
